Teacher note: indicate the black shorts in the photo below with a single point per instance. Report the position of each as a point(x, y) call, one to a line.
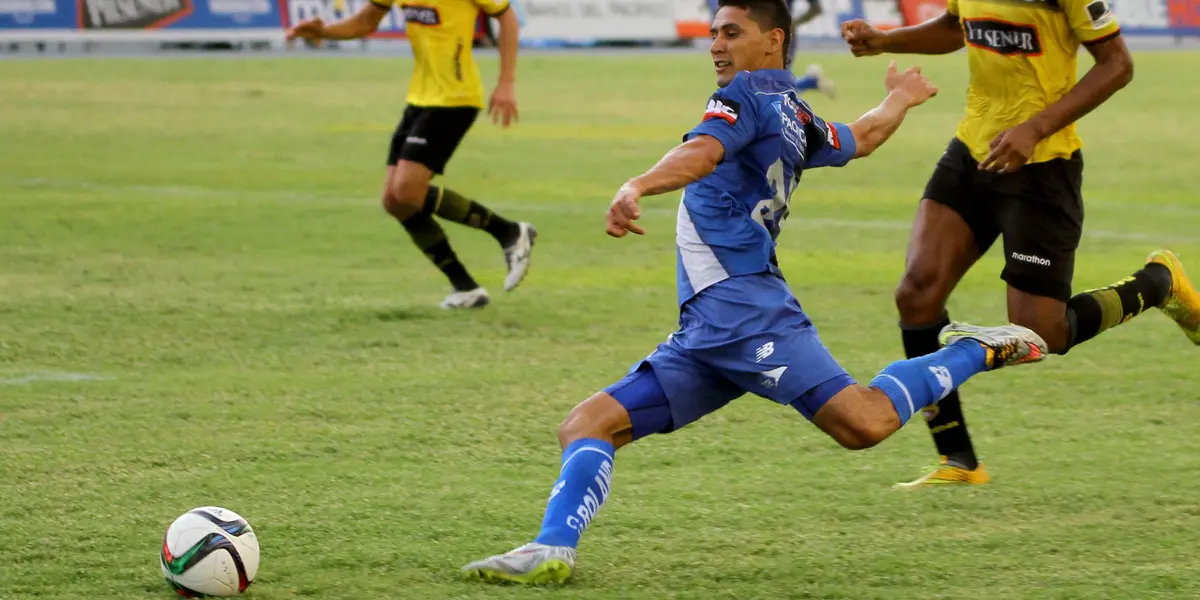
point(1038, 210)
point(429, 135)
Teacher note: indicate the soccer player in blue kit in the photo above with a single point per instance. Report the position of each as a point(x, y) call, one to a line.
point(814, 78)
point(740, 328)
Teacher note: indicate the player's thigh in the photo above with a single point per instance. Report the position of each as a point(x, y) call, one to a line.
point(667, 391)
point(952, 229)
point(407, 121)
point(436, 134)
point(1041, 217)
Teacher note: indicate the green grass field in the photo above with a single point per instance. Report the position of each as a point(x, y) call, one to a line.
point(204, 240)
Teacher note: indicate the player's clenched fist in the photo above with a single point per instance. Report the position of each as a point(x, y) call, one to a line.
point(864, 40)
point(911, 83)
point(624, 211)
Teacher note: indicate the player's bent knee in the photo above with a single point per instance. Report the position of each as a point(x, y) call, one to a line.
point(599, 417)
point(405, 198)
point(921, 295)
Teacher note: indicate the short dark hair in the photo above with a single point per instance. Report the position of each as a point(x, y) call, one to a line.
point(768, 14)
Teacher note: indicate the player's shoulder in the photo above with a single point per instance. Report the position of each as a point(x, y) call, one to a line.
point(761, 82)
point(747, 89)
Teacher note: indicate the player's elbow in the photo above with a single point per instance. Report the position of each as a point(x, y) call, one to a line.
point(866, 143)
point(1124, 70)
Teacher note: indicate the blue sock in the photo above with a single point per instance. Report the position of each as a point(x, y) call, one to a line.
point(918, 382)
point(581, 489)
point(808, 82)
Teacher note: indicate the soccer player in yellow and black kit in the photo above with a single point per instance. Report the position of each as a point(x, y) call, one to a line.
point(1015, 170)
point(444, 97)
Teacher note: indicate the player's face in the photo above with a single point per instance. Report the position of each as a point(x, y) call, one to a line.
point(739, 44)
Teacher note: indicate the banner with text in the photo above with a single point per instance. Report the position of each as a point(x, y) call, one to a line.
point(129, 15)
point(615, 20)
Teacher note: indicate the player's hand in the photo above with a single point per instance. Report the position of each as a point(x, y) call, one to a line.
point(1012, 149)
point(624, 211)
point(911, 83)
point(312, 29)
point(503, 104)
point(864, 40)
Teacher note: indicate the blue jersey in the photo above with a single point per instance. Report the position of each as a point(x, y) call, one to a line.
point(728, 221)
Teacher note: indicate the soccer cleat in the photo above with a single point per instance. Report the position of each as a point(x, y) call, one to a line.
point(531, 564)
point(825, 85)
point(1183, 303)
point(516, 255)
point(476, 298)
point(1006, 345)
point(947, 474)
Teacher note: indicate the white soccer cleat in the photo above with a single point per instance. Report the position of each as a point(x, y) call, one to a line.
point(476, 298)
point(516, 255)
point(825, 85)
point(1006, 345)
point(531, 564)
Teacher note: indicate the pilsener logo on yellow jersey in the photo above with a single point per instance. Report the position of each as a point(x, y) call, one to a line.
point(1003, 37)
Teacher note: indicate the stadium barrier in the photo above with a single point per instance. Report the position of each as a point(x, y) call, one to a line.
point(565, 21)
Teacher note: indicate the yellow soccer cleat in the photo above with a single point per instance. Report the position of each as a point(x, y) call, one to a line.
point(947, 474)
point(1183, 303)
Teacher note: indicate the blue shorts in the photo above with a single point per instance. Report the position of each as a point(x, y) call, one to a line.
point(743, 335)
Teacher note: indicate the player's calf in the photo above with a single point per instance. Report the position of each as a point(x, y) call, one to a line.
point(405, 182)
point(862, 416)
point(1088, 314)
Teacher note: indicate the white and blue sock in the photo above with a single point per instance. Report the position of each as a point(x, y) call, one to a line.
point(582, 487)
point(918, 382)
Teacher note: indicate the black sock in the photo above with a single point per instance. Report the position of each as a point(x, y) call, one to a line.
point(1094, 311)
point(945, 419)
point(431, 239)
point(449, 205)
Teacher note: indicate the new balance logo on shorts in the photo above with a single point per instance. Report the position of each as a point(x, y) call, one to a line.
point(770, 379)
point(722, 108)
point(764, 351)
point(1031, 259)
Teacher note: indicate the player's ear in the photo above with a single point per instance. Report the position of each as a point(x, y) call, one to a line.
point(775, 41)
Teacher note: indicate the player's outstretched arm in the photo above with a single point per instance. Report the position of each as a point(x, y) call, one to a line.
point(905, 90)
point(1113, 70)
point(942, 35)
point(688, 162)
point(360, 24)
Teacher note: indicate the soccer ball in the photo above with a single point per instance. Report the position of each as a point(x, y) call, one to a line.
point(209, 551)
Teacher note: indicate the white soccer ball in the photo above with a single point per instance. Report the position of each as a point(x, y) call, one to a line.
point(209, 551)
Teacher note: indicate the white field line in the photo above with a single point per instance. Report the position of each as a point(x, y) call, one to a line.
point(798, 220)
point(67, 377)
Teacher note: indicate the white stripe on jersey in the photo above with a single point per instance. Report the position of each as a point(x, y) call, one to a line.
point(699, 262)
